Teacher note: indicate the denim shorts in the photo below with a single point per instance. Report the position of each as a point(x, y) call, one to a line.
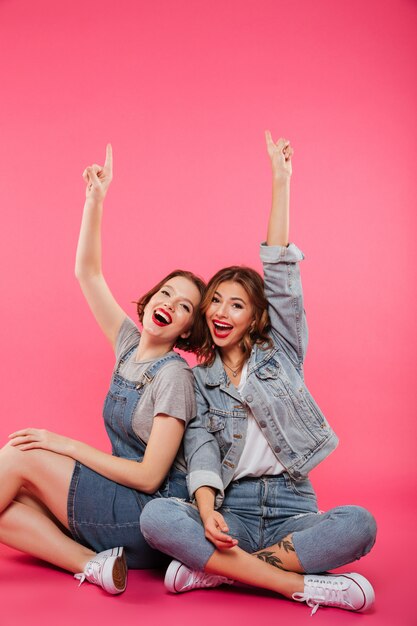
point(103, 514)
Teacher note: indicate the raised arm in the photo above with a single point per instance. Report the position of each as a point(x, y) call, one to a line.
point(279, 220)
point(88, 269)
point(281, 260)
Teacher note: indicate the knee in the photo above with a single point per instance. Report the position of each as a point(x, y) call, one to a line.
point(12, 459)
point(360, 529)
point(157, 518)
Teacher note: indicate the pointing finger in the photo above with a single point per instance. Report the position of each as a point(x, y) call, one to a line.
point(109, 158)
point(268, 138)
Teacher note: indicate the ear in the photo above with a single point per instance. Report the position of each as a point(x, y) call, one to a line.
point(186, 334)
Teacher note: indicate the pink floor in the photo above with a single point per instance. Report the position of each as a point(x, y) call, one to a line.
point(36, 594)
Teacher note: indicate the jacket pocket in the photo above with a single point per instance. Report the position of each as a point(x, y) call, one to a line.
point(269, 375)
point(215, 422)
point(216, 425)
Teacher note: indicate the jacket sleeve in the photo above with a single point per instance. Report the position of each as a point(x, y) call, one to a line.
point(202, 453)
point(284, 293)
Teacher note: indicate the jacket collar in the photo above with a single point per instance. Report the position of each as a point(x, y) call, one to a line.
point(215, 374)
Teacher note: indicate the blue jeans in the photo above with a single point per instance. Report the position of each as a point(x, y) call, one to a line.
point(260, 512)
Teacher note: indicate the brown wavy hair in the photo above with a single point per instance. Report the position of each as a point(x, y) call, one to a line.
point(257, 333)
point(194, 341)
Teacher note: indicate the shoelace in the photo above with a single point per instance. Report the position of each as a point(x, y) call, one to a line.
point(315, 596)
point(89, 573)
point(204, 580)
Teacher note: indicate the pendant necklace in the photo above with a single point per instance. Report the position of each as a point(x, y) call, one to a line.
point(234, 372)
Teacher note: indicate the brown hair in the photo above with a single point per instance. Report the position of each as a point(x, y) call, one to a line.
point(193, 342)
point(257, 332)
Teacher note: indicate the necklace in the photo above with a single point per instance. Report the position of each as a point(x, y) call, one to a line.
point(234, 372)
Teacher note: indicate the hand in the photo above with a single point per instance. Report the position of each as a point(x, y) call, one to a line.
point(215, 528)
point(280, 154)
point(32, 438)
point(99, 178)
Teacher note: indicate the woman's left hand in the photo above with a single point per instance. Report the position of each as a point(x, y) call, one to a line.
point(280, 154)
point(32, 438)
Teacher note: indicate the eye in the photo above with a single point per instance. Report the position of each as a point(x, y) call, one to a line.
point(186, 307)
point(215, 299)
point(237, 306)
point(165, 292)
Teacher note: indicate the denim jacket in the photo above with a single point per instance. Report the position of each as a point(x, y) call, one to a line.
point(297, 431)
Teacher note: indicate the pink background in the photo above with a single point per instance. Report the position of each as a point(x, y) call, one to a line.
point(184, 91)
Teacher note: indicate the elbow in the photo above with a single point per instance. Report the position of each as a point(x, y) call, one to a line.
point(150, 485)
point(80, 271)
point(85, 275)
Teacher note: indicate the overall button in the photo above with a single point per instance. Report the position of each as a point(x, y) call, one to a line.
point(249, 398)
point(277, 449)
point(262, 424)
point(296, 474)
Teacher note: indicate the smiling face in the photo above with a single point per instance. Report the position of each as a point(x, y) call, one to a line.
point(170, 312)
point(229, 315)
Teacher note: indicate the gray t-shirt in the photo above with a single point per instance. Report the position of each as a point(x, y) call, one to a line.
point(171, 392)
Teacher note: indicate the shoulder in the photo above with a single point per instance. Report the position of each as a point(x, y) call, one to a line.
point(175, 371)
point(127, 337)
point(200, 372)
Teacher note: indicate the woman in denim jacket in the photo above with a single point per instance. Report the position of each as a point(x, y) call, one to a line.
point(257, 434)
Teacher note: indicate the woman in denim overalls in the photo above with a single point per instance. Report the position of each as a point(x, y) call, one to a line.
point(73, 505)
point(257, 434)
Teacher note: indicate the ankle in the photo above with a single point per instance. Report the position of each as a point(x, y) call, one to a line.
point(294, 584)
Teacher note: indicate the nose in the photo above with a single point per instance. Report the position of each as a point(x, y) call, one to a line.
point(169, 305)
point(221, 310)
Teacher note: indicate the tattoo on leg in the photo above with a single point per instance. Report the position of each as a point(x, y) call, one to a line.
point(269, 557)
point(286, 544)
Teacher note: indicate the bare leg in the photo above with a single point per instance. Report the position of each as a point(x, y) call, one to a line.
point(43, 474)
point(239, 565)
point(29, 530)
point(281, 555)
point(33, 505)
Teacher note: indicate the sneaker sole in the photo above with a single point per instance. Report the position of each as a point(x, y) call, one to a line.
point(171, 575)
point(120, 571)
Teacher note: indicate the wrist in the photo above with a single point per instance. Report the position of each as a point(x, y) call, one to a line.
point(94, 203)
point(71, 448)
point(281, 180)
point(205, 513)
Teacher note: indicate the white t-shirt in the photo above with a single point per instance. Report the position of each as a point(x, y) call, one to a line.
point(257, 458)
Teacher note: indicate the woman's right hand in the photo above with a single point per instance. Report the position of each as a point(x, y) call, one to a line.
point(215, 529)
point(98, 178)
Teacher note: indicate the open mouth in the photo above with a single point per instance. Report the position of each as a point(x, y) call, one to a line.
point(161, 317)
point(221, 329)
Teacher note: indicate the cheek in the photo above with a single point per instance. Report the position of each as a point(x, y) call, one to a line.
point(209, 313)
point(242, 319)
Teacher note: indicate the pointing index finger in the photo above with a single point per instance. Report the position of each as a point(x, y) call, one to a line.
point(109, 158)
point(268, 138)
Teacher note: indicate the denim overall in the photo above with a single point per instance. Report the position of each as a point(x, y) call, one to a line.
point(103, 514)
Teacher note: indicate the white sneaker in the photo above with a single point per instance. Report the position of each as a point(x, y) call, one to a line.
point(180, 578)
point(107, 569)
point(344, 591)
